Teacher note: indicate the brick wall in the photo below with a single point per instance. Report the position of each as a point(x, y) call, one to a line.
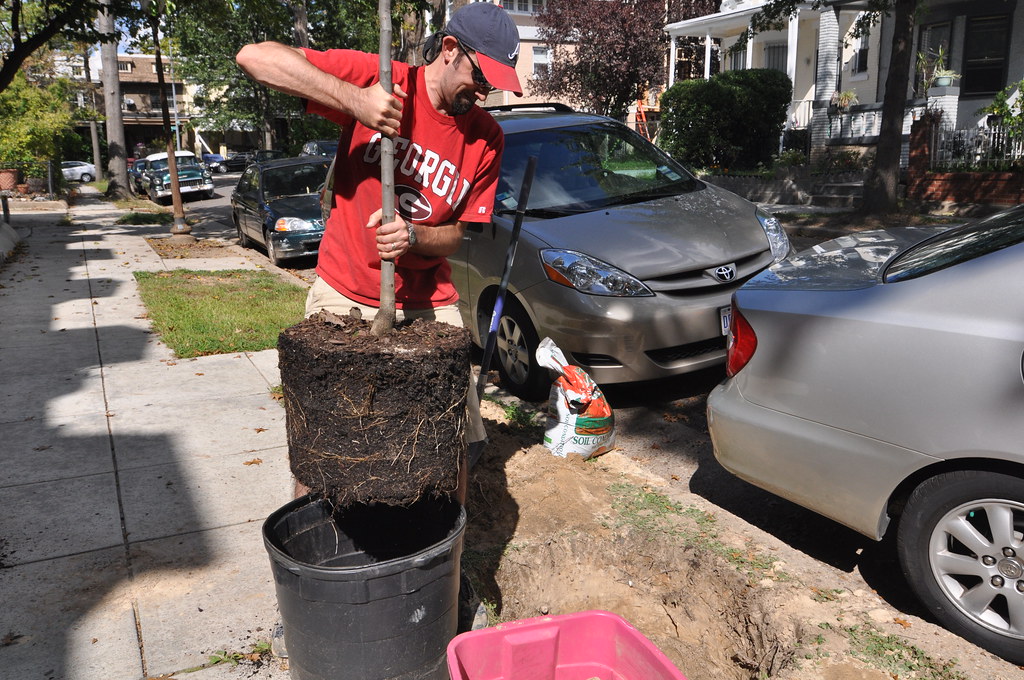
point(992, 188)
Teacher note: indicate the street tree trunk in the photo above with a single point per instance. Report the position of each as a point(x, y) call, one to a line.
point(882, 182)
point(178, 227)
point(117, 158)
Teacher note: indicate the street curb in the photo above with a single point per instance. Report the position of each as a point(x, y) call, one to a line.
point(9, 239)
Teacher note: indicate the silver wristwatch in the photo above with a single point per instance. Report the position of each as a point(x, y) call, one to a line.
point(412, 234)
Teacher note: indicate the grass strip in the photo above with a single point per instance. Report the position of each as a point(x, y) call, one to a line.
point(197, 313)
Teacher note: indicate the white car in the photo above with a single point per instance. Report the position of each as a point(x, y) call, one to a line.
point(78, 171)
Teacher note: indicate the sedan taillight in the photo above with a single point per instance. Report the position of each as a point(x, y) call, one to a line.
point(742, 343)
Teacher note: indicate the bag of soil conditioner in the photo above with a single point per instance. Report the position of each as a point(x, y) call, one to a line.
point(580, 421)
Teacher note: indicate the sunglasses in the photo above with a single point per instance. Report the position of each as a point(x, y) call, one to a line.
point(478, 76)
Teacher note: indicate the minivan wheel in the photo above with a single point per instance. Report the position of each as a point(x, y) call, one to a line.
point(515, 352)
point(961, 544)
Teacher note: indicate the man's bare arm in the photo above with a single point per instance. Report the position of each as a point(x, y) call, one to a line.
point(287, 70)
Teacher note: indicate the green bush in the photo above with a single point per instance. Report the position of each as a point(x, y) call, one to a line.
point(33, 119)
point(732, 121)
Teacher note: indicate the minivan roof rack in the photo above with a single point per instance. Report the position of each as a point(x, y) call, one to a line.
point(553, 106)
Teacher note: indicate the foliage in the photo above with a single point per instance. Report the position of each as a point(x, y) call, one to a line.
point(1010, 111)
point(208, 35)
point(732, 120)
point(28, 25)
point(34, 118)
point(789, 158)
point(605, 53)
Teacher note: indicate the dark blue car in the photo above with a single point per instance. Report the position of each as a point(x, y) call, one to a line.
point(215, 162)
point(277, 205)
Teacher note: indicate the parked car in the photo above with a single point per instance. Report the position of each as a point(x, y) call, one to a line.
point(320, 147)
point(135, 171)
point(264, 155)
point(193, 177)
point(78, 171)
point(277, 205)
point(625, 260)
point(215, 162)
point(238, 161)
point(876, 380)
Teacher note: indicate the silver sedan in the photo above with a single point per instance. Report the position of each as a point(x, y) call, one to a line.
point(877, 380)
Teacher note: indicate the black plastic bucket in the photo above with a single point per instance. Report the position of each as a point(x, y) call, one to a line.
point(367, 592)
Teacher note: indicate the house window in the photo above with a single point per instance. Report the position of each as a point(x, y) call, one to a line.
point(77, 71)
point(860, 55)
point(124, 66)
point(933, 40)
point(775, 56)
point(738, 59)
point(540, 62)
point(525, 6)
point(986, 44)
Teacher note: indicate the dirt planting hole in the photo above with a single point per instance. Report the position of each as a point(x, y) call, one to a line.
point(549, 535)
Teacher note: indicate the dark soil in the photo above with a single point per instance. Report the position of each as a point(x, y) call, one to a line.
point(173, 249)
point(375, 419)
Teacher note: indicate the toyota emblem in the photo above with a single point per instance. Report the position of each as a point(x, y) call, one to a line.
point(725, 273)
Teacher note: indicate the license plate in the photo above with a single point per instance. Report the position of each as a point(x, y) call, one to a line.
point(725, 315)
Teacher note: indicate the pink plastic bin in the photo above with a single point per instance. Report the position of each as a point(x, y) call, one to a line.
point(593, 644)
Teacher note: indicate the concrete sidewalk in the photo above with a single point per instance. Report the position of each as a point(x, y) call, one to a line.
point(135, 485)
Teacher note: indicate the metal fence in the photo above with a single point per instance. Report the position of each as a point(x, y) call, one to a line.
point(982, 148)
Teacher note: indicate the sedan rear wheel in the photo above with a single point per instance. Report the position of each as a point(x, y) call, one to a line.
point(243, 240)
point(961, 544)
point(515, 351)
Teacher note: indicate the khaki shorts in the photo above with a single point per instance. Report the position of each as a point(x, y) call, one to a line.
point(322, 296)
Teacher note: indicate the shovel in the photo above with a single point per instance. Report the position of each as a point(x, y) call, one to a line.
point(499, 301)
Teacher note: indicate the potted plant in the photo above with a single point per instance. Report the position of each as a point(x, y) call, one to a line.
point(933, 70)
point(842, 101)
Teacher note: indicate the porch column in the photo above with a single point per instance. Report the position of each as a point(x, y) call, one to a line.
point(824, 80)
point(792, 38)
point(707, 56)
point(750, 53)
point(671, 60)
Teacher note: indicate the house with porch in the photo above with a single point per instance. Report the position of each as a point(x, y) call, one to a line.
point(982, 41)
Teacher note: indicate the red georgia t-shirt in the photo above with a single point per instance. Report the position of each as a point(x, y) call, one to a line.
point(446, 169)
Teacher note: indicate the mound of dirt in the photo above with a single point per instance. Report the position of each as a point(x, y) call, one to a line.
point(549, 535)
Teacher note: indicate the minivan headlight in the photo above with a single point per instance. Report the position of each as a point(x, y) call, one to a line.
point(590, 275)
point(777, 238)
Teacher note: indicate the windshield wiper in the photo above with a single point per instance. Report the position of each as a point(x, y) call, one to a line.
point(546, 212)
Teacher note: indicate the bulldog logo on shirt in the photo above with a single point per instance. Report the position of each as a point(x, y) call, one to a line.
point(411, 204)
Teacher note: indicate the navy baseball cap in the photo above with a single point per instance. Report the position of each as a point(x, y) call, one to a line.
point(488, 30)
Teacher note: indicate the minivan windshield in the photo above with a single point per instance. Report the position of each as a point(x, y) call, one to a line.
point(587, 167)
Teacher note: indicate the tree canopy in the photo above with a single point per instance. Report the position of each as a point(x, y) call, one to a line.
point(28, 25)
point(605, 53)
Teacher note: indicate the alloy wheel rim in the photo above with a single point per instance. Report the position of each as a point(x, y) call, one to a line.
point(976, 554)
point(512, 350)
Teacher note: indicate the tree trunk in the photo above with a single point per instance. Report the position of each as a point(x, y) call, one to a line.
point(300, 23)
point(178, 227)
point(882, 183)
point(117, 158)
